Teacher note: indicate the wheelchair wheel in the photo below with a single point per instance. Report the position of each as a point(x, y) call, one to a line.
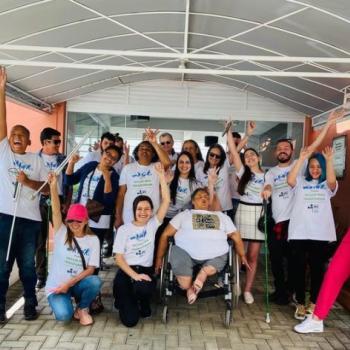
point(228, 318)
point(165, 314)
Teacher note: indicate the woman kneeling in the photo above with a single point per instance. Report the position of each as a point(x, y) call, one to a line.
point(70, 275)
point(134, 248)
point(200, 238)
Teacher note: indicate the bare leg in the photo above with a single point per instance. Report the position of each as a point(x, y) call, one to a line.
point(252, 257)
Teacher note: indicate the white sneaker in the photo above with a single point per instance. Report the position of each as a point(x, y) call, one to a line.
point(309, 325)
point(248, 298)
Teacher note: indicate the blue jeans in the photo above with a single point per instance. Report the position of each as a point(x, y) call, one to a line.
point(23, 248)
point(85, 291)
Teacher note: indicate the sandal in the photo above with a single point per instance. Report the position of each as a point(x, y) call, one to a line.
point(191, 295)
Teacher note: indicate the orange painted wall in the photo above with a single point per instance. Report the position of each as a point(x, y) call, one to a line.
point(35, 120)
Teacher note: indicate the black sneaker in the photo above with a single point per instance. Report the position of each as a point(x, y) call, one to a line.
point(3, 317)
point(145, 309)
point(40, 284)
point(30, 312)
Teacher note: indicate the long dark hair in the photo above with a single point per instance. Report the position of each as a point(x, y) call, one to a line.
point(248, 174)
point(222, 157)
point(199, 153)
point(175, 181)
point(70, 235)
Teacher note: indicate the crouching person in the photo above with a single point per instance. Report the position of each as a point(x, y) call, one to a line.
point(76, 255)
point(134, 248)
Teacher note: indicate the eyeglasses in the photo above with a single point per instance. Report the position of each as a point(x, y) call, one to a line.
point(55, 142)
point(214, 155)
point(71, 221)
point(165, 143)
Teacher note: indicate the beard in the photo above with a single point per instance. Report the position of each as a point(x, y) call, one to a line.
point(285, 159)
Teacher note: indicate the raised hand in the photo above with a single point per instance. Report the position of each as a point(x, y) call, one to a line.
point(52, 180)
point(251, 126)
point(151, 135)
point(75, 158)
point(159, 168)
point(328, 153)
point(305, 153)
point(335, 115)
point(3, 78)
point(213, 175)
point(126, 149)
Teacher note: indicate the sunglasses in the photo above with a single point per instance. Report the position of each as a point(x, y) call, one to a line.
point(165, 143)
point(55, 142)
point(214, 155)
point(71, 221)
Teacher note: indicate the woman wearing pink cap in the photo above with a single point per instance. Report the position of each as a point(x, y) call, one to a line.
point(69, 275)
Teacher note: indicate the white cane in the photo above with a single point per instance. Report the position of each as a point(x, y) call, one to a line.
point(16, 199)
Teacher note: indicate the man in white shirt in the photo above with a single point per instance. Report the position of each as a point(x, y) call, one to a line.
point(24, 172)
point(277, 187)
point(50, 140)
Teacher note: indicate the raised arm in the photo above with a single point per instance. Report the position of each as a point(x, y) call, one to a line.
point(151, 136)
point(214, 203)
point(249, 132)
point(330, 172)
point(3, 124)
point(55, 202)
point(70, 168)
point(333, 117)
point(234, 152)
point(165, 193)
point(119, 206)
point(293, 174)
point(163, 245)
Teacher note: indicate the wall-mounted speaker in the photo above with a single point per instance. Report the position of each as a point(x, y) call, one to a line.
point(210, 140)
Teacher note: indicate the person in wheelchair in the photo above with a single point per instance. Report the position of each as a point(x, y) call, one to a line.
point(134, 248)
point(200, 238)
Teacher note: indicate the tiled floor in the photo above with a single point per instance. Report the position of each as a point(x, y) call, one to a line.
point(199, 326)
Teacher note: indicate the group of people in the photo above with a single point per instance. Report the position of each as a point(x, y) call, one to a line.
point(137, 202)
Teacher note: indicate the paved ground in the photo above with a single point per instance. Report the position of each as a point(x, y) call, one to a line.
point(199, 326)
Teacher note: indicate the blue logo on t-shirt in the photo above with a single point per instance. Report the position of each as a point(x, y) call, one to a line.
point(142, 173)
point(22, 166)
point(138, 236)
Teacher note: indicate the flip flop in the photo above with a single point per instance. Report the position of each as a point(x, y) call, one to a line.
point(191, 295)
point(197, 285)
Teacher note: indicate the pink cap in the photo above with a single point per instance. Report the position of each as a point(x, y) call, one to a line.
point(77, 212)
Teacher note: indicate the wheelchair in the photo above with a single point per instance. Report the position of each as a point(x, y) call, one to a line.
point(230, 288)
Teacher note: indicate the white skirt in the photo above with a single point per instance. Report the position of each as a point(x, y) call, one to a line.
point(246, 221)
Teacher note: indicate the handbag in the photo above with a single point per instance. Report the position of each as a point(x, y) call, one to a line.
point(94, 207)
point(96, 306)
point(265, 214)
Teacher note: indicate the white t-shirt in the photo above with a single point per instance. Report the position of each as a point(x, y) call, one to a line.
point(51, 164)
point(10, 164)
point(95, 176)
point(222, 186)
point(136, 243)
point(139, 180)
point(282, 193)
point(183, 196)
point(254, 187)
point(66, 261)
point(311, 216)
point(198, 166)
point(201, 233)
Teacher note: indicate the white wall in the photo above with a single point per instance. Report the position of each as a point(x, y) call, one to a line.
point(174, 99)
